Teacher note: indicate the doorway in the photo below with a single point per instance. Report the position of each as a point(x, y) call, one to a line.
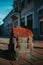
point(41, 28)
point(29, 22)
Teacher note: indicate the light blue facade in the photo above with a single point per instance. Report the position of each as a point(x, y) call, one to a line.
point(37, 6)
point(33, 7)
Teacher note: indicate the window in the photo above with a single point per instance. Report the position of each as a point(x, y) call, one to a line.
point(29, 21)
point(22, 22)
point(16, 9)
point(41, 14)
point(29, 17)
point(41, 28)
point(41, 11)
point(28, 1)
point(15, 23)
point(41, 21)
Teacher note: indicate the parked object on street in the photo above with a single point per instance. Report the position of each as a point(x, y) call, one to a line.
point(25, 46)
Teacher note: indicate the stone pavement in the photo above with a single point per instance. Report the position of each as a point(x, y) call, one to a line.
point(36, 59)
point(38, 44)
point(4, 62)
point(35, 43)
point(37, 55)
point(38, 63)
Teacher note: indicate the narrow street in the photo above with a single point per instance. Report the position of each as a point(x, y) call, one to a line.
point(21, 32)
point(36, 59)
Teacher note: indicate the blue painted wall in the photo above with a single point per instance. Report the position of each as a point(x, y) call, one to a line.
point(36, 22)
point(37, 5)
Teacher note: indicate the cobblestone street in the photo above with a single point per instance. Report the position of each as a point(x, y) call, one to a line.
point(36, 59)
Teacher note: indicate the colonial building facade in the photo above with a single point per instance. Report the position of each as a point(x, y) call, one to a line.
point(31, 15)
point(9, 23)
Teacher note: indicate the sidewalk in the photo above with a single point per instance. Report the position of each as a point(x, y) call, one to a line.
point(38, 44)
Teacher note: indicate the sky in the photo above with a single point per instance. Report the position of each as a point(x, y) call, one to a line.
point(5, 8)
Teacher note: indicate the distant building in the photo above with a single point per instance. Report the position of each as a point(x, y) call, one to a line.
point(31, 15)
point(8, 23)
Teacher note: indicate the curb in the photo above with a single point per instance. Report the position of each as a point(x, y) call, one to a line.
point(38, 47)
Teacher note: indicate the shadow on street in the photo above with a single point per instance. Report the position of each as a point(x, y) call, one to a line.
point(4, 54)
